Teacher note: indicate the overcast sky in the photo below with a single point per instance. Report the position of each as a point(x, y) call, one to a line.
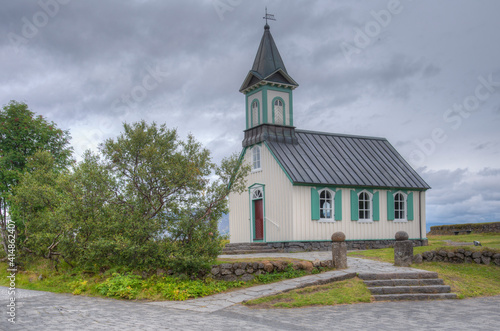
point(423, 74)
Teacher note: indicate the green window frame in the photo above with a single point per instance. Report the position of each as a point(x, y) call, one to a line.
point(335, 204)
point(391, 206)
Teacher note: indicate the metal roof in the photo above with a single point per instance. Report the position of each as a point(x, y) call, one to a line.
point(268, 58)
point(344, 160)
point(268, 64)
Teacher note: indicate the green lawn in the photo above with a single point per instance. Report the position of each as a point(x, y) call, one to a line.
point(344, 292)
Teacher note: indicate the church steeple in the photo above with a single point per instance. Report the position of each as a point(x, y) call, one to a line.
point(268, 66)
point(268, 94)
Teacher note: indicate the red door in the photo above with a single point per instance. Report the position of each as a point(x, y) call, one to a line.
point(259, 220)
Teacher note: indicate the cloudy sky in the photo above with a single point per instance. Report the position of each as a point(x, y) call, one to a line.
point(423, 74)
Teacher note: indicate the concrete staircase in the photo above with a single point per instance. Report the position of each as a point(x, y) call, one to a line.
point(407, 286)
point(249, 248)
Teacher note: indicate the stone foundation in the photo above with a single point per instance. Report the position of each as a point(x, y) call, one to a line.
point(308, 246)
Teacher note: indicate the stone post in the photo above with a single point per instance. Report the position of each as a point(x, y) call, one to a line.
point(403, 250)
point(339, 251)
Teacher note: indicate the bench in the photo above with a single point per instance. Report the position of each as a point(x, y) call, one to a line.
point(460, 231)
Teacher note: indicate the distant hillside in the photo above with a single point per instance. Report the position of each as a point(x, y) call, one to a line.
point(224, 224)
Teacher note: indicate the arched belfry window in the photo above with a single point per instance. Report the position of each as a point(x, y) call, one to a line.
point(255, 113)
point(279, 112)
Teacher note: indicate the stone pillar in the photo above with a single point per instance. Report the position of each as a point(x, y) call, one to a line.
point(403, 250)
point(339, 251)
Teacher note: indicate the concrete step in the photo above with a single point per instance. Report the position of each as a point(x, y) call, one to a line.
point(410, 289)
point(415, 296)
point(399, 275)
point(404, 282)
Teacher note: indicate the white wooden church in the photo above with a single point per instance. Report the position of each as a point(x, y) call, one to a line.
point(306, 185)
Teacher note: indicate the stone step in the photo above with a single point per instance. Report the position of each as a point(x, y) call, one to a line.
point(250, 251)
point(414, 296)
point(409, 289)
point(257, 248)
point(399, 275)
point(404, 282)
point(246, 244)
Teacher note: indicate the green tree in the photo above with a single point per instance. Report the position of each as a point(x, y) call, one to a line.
point(22, 134)
point(149, 200)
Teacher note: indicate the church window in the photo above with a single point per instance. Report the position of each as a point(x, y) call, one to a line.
point(256, 158)
point(278, 111)
point(257, 194)
point(399, 207)
point(364, 206)
point(255, 113)
point(325, 205)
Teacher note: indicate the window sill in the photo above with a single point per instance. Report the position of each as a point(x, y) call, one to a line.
point(400, 221)
point(365, 221)
point(256, 170)
point(326, 221)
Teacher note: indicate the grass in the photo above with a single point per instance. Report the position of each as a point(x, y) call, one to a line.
point(467, 280)
point(490, 240)
point(344, 292)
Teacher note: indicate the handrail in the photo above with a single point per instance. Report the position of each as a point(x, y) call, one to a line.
point(277, 225)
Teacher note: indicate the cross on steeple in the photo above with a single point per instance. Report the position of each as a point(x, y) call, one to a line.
point(269, 17)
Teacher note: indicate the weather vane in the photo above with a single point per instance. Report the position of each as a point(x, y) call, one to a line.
point(269, 17)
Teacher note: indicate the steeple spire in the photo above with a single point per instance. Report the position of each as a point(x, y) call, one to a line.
point(268, 65)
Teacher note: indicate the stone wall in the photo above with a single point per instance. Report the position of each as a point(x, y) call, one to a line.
point(459, 255)
point(307, 246)
point(246, 271)
point(440, 230)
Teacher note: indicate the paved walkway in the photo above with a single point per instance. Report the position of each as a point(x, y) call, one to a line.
point(38, 310)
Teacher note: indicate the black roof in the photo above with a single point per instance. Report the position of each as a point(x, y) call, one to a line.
point(343, 160)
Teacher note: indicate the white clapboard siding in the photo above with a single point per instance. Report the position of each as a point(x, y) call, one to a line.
point(278, 192)
point(307, 229)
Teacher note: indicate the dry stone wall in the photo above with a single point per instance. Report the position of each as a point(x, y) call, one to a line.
point(247, 271)
point(444, 230)
point(459, 256)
